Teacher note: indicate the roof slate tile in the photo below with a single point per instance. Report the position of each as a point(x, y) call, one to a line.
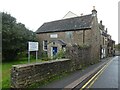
point(76, 23)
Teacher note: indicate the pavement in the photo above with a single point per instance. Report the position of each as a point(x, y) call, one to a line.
point(75, 77)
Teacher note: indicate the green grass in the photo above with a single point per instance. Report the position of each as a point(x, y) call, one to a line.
point(6, 68)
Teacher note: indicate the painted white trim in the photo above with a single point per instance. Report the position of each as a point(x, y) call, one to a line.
point(51, 51)
point(43, 45)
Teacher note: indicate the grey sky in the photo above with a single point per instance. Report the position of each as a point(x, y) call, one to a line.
point(33, 13)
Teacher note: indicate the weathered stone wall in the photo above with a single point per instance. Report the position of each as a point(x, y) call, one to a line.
point(87, 38)
point(79, 55)
point(95, 40)
point(25, 75)
point(76, 37)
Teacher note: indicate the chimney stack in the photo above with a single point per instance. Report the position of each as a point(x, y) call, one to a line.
point(106, 30)
point(94, 12)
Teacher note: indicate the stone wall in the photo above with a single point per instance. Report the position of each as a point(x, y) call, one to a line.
point(76, 36)
point(95, 41)
point(79, 55)
point(25, 75)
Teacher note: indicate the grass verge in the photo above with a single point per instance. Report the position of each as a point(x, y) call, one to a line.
point(6, 68)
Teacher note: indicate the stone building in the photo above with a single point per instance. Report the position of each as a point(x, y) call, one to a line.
point(81, 30)
point(111, 47)
point(107, 45)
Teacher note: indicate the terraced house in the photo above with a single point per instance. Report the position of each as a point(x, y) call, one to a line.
point(79, 30)
point(107, 45)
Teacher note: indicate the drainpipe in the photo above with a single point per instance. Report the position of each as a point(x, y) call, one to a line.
point(83, 36)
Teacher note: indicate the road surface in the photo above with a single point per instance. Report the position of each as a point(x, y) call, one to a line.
point(107, 77)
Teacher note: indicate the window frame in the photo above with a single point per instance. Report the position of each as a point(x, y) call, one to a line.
point(45, 49)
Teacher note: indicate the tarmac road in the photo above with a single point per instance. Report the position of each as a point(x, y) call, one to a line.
point(71, 78)
point(106, 78)
point(109, 77)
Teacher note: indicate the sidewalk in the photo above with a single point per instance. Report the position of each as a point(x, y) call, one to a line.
point(65, 81)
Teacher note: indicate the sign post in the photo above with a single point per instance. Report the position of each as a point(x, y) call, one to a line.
point(36, 56)
point(28, 56)
point(32, 46)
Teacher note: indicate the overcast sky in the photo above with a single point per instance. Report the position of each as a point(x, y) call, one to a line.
point(33, 13)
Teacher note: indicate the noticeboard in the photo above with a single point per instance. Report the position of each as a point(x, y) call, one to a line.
point(32, 46)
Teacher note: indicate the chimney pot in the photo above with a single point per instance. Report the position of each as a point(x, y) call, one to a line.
point(93, 7)
point(94, 12)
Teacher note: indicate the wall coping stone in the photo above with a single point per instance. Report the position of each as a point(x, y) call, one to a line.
point(39, 63)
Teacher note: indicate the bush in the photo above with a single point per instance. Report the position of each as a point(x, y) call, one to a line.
point(44, 56)
point(60, 55)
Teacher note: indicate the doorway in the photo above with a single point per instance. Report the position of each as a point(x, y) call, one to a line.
point(54, 51)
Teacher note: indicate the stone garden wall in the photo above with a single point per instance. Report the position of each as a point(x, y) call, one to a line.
point(25, 75)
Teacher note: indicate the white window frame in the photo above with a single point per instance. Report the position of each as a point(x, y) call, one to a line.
point(44, 46)
point(54, 36)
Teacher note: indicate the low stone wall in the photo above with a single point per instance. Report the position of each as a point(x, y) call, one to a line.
point(25, 75)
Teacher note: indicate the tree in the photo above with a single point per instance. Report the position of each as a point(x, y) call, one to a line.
point(15, 37)
point(117, 47)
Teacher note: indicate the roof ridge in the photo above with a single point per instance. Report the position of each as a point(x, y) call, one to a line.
point(68, 18)
point(74, 23)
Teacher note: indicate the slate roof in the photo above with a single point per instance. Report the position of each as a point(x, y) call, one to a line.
point(105, 34)
point(61, 42)
point(76, 23)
